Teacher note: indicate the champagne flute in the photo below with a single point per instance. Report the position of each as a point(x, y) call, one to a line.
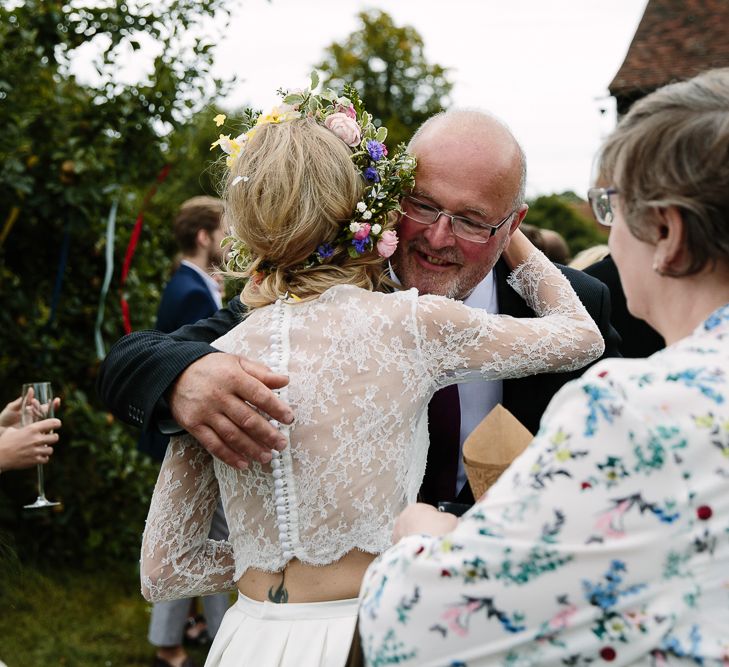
point(37, 404)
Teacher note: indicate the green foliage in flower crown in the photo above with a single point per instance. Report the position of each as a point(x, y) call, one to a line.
point(386, 177)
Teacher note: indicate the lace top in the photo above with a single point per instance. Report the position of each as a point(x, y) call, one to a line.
point(362, 367)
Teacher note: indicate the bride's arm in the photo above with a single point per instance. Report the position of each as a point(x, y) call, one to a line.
point(461, 343)
point(178, 559)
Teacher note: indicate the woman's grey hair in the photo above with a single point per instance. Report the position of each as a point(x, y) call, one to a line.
point(672, 149)
point(478, 115)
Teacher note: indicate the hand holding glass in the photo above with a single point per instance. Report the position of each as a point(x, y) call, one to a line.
point(37, 404)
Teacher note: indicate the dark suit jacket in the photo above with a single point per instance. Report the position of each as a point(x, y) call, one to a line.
point(141, 367)
point(186, 299)
point(638, 339)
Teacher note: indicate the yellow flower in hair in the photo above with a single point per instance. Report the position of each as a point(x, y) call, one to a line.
point(279, 114)
point(219, 119)
point(223, 141)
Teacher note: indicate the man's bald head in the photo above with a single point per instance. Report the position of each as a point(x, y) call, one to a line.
point(477, 131)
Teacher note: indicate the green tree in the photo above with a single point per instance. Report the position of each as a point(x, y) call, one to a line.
point(569, 215)
point(67, 151)
point(387, 65)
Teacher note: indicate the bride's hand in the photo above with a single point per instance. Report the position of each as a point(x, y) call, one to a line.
point(518, 249)
point(422, 519)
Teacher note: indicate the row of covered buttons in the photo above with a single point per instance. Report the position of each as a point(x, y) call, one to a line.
point(279, 490)
point(281, 509)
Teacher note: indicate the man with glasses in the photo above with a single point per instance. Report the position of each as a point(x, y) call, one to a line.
point(467, 201)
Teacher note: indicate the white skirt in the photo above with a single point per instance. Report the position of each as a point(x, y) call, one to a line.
point(266, 634)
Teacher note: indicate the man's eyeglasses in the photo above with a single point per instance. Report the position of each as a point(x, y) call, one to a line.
point(463, 228)
point(599, 199)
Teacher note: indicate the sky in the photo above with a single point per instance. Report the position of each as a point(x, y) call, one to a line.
point(541, 66)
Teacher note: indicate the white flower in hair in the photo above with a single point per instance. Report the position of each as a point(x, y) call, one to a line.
point(354, 227)
point(361, 207)
point(376, 229)
point(366, 215)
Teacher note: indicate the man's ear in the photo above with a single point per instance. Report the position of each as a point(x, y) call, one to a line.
point(518, 218)
point(669, 256)
point(203, 238)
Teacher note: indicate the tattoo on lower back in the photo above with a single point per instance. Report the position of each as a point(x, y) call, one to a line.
point(280, 595)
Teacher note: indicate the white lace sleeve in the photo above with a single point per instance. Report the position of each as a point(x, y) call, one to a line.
point(467, 343)
point(178, 558)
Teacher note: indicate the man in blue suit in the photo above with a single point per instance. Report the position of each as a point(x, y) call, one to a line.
point(192, 294)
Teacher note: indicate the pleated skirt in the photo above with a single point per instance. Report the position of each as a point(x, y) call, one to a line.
point(265, 634)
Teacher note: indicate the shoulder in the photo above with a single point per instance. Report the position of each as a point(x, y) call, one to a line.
point(184, 279)
point(353, 293)
point(585, 285)
point(604, 270)
point(672, 382)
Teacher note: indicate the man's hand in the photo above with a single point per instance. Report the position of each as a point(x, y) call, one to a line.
point(216, 399)
point(422, 519)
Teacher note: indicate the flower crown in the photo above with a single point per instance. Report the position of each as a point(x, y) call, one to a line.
point(386, 178)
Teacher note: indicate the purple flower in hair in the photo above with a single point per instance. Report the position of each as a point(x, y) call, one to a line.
point(376, 149)
point(360, 245)
point(325, 251)
point(370, 173)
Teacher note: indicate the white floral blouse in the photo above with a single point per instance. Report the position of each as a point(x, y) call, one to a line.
point(606, 542)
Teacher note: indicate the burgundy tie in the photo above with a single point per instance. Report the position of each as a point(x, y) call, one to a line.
point(444, 426)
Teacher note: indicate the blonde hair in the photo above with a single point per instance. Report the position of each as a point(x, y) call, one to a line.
point(672, 149)
point(299, 188)
point(589, 256)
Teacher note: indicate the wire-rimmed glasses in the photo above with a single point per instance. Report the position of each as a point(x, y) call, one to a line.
point(602, 209)
point(464, 228)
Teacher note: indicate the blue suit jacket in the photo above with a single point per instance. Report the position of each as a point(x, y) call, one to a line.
point(185, 300)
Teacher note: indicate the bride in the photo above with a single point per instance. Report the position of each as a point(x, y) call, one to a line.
point(312, 199)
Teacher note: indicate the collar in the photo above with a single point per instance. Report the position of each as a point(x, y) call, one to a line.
point(210, 283)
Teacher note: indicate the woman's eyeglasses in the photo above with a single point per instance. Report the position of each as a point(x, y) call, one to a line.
point(599, 199)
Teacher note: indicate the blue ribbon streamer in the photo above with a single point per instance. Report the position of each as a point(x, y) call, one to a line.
point(110, 227)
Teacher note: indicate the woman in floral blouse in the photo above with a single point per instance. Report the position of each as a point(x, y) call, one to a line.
point(607, 541)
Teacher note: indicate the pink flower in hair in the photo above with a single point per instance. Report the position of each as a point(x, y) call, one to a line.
point(387, 243)
point(363, 232)
point(345, 128)
point(345, 106)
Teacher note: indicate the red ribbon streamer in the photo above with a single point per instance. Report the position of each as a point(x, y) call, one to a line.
point(132, 246)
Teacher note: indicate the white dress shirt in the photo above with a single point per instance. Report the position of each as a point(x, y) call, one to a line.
point(478, 398)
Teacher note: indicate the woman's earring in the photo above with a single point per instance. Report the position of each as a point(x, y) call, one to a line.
point(657, 268)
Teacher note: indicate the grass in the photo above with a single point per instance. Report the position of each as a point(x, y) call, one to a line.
point(74, 619)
